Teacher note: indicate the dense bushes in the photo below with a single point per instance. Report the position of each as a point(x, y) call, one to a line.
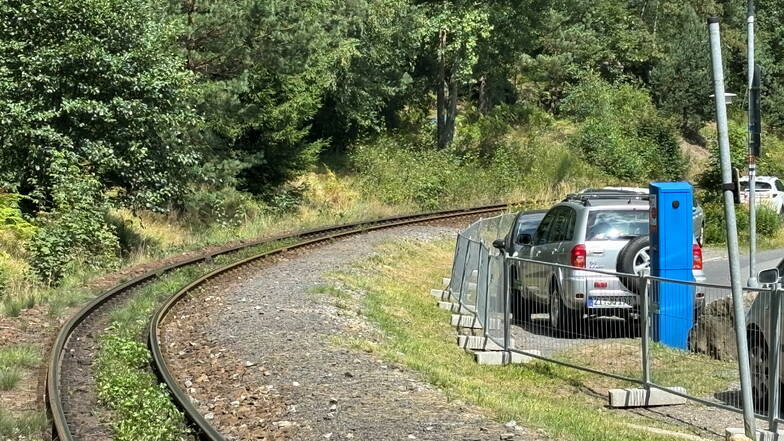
point(621, 132)
point(76, 231)
point(529, 161)
point(769, 223)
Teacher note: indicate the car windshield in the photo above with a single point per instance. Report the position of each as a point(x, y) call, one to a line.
point(760, 186)
point(616, 224)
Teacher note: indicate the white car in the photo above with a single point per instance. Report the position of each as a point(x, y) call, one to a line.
point(769, 191)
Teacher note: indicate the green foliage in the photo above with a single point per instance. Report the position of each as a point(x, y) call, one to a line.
point(769, 223)
point(13, 225)
point(533, 162)
point(222, 208)
point(76, 230)
point(770, 162)
point(145, 408)
point(96, 80)
point(710, 179)
point(622, 133)
point(27, 425)
point(264, 70)
point(686, 59)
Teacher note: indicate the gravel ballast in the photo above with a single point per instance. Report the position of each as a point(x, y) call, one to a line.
point(266, 357)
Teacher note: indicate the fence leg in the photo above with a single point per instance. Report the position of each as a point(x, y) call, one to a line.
point(507, 327)
point(645, 335)
point(774, 390)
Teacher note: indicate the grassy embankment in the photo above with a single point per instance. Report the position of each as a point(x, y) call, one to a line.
point(376, 181)
point(560, 401)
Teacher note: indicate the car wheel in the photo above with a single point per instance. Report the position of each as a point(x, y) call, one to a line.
point(635, 258)
point(563, 319)
point(758, 361)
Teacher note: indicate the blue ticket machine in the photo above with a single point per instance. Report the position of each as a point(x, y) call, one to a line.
point(672, 257)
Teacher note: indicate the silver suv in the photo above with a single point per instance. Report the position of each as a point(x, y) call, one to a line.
point(607, 232)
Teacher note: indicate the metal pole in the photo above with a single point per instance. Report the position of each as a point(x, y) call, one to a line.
point(732, 229)
point(752, 282)
point(507, 327)
point(646, 334)
point(774, 390)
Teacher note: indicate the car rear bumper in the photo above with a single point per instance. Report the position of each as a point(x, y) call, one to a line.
point(592, 291)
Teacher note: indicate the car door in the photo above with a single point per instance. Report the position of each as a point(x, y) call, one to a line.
point(532, 272)
point(545, 250)
point(779, 198)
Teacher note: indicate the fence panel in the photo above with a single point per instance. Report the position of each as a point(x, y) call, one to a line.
point(593, 320)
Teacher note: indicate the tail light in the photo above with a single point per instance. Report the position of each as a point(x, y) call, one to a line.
point(578, 256)
point(696, 252)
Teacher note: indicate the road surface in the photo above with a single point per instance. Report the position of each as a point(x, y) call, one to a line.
point(717, 269)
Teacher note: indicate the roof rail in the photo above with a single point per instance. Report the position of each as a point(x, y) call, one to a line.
point(586, 198)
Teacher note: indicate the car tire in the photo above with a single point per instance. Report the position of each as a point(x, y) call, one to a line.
point(632, 260)
point(521, 306)
point(565, 321)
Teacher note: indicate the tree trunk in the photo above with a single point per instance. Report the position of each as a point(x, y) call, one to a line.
point(451, 113)
point(483, 104)
point(440, 92)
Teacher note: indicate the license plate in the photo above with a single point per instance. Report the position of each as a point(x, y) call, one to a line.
point(608, 302)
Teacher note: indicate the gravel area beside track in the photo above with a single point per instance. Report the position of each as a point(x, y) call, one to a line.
point(265, 358)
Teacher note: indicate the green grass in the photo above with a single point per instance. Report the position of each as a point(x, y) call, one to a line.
point(19, 356)
point(25, 425)
point(538, 395)
point(9, 378)
point(700, 374)
point(142, 407)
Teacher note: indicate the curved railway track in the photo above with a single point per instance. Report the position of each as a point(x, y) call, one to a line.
point(78, 334)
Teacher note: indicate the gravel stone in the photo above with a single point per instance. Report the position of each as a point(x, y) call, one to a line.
point(273, 316)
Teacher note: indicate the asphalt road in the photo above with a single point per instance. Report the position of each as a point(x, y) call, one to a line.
point(717, 269)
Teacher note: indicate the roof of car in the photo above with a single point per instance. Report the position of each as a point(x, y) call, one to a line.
point(619, 198)
point(761, 178)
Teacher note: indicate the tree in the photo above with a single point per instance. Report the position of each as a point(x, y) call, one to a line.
point(100, 82)
point(457, 28)
point(264, 70)
point(379, 79)
point(682, 81)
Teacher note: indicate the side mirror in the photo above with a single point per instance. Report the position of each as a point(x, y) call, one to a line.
point(524, 239)
point(768, 276)
point(500, 244)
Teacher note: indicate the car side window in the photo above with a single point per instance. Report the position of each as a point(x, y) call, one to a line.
point(779, 185)
point(543, 231)
point(571, 221)
point(558, 229)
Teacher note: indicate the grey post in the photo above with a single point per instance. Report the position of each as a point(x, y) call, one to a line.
point(507, 328)
point(774, 391)
point(645, 334)
point(752, 163)
point(732, 230)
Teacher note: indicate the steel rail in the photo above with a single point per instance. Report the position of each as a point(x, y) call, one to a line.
point(54, 399)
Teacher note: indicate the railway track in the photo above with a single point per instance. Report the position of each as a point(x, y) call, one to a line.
point(70, 362)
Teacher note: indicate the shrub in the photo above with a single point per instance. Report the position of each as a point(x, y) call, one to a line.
point(225, 208)
point(76, 230)
point(710, 179)
point(14, 227)
point(622, 133)
point(769, 223)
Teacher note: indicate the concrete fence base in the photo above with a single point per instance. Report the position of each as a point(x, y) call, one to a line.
point(639, 397)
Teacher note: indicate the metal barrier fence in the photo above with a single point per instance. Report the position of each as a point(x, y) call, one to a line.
point(610, 324)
